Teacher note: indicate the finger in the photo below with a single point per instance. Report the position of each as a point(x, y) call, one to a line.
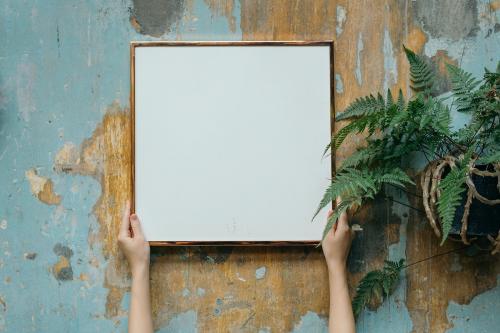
point(342, 220)
point(125, 224)
point(136, 225)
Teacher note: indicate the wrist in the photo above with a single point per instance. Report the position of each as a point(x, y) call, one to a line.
point(337, 268)
point(140, 270)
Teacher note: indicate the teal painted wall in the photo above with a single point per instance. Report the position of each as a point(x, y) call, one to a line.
point(64, 63)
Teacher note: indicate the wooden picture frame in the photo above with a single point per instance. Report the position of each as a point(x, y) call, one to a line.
point(137, 44)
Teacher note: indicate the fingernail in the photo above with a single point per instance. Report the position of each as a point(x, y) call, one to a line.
point(133, 217)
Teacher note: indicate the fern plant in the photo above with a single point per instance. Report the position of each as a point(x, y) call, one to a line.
point(396, 130)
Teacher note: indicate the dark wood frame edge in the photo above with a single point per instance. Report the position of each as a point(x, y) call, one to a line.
point(134, 44)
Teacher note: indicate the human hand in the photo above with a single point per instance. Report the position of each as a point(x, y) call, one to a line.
point(337, 242)
point(133, 243)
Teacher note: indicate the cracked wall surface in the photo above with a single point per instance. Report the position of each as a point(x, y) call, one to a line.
point(65, 157)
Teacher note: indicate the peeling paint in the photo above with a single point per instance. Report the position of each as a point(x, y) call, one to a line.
point(224, 8)
point(42, 188)
point(62, 269)
point(311, 323)
point(390, 64)
point(339, 85)
point(155, 17)
point(260, 273)
point(200, 292)
point(341, 18)
point(30, 255)
point(360, 48)
point(448, 18)
point(4, 224)
point(185, 322)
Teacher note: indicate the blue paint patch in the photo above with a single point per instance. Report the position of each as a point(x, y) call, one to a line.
point(390, 64)
point(200, 24)
point(360, 48)
point(339, 84)
point(341, 18)
point(185, 322)
point(311, 323)
point(479, 316)
point(186, 292)
point(200, 292)
point(260, 272)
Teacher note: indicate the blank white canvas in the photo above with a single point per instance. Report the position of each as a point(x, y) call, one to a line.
point(229, 142)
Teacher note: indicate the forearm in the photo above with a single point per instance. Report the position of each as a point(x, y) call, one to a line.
point(341, 316)
point(140, 319)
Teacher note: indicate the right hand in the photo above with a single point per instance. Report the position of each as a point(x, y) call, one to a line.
point(337, 242)
point(133, 243)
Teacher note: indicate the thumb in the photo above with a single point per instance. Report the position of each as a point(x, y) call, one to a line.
point(136, 225)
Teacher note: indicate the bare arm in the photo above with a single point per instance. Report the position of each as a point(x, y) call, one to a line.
point(136, 250)
point(336, 247)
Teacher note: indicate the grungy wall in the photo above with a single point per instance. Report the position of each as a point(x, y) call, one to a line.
point(64, 176)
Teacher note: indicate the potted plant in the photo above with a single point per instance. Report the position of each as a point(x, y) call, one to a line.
point(460, 183)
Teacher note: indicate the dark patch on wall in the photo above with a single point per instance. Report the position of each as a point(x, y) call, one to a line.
point(214, 255)
point(155, 17)
point(447, 18)
point(62, 269)
point(380, 227)
point(30, 256)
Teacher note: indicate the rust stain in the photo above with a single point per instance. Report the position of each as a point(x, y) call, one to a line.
point(62, 269)
point(440, 59)
point(416, 40)
point(495, 5)
point(233, 297)
point(105, 156)
point(223, 8)
point(42, 188)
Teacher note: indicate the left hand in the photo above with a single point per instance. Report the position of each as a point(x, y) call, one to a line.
point(133, 243)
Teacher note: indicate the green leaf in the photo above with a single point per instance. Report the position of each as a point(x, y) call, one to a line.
point(377, 284)
point(342, 207)
point(463, 87)
point(452, 187)
point(421, 74)
point(362, 106)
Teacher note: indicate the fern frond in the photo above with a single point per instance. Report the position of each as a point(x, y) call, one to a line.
point(362, 106)
point(493, 157)
point(347, 183)
point(452, 187)
point(395, 176)
point(363, 155)
point(463, 87)
point(421, 74)
point(366, 290)
point(377, 284)
point(342, 207)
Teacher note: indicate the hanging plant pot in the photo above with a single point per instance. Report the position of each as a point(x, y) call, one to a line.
point(483, 219)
